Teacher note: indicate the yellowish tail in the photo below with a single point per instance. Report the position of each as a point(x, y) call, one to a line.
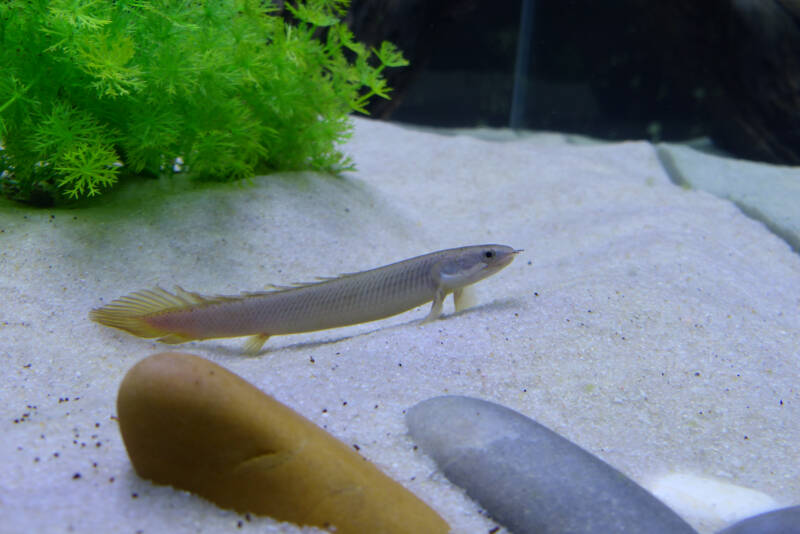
point(133, 313)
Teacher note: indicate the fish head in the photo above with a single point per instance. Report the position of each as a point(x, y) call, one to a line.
point(467, 265)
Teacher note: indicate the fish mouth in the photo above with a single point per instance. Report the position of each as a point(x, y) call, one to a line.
point(508, 258)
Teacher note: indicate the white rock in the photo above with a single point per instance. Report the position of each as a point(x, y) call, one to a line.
point(710, 499)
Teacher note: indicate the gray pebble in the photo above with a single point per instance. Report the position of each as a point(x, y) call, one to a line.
point(783, 521)
point(529, 478)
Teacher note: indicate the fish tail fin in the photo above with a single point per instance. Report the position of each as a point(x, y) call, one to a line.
point(134, 313)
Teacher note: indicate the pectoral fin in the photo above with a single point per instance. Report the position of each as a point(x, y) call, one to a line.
point(464, 298)
point(436, 309)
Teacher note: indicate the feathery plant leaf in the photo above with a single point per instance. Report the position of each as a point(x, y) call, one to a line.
point(86, 170)
point(91, 88)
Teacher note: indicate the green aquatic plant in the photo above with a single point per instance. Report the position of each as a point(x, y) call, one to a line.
point(91, 90)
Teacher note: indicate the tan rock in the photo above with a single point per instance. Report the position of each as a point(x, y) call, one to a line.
point(194, 425)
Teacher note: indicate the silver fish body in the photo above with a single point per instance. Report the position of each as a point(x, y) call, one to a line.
point(349, 299)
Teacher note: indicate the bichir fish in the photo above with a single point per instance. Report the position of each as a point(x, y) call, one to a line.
point(349, 299)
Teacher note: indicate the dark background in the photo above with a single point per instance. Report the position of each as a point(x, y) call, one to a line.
point(613, 69)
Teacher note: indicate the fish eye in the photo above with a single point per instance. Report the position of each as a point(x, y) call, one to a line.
point(488, 254)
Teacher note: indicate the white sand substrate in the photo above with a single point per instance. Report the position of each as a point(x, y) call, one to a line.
point(654, 325)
